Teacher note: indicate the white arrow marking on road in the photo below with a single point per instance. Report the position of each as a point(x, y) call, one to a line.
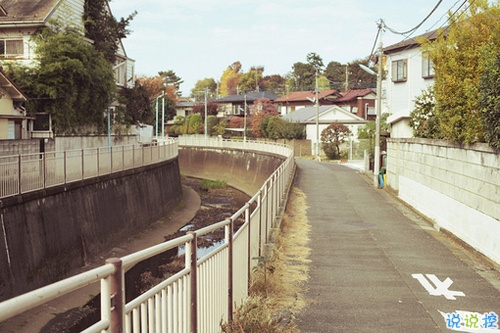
point(441, 288)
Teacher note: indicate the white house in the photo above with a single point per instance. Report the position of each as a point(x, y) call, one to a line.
point(409, 72)
point(326, 115)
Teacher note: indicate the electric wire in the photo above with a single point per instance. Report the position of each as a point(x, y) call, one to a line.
point(417, 26)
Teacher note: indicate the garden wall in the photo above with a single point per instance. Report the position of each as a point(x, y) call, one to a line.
point(457, 187)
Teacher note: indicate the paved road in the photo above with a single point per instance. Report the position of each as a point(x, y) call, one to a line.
point(377, 267)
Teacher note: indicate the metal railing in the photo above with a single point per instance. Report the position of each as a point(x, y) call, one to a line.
point(30, 172)
point(209, 286)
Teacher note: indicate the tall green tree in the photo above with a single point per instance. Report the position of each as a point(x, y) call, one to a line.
point(335, 73)
point(71, 80)
point(103, 28)
point(230, 79)
point(458, 55)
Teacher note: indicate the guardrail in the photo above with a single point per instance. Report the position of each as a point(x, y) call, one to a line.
point(30, 172)
point(209, 286)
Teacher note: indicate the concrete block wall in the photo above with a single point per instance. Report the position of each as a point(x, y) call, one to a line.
point(457, 187)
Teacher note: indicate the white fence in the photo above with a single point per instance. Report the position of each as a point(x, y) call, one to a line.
point(206, 290)
point(25, 173)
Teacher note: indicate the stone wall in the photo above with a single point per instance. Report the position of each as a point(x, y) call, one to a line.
point(457, 187)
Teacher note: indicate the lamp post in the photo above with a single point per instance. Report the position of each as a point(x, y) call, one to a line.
point(376, 164)
point(162, 95)
point(206, 114)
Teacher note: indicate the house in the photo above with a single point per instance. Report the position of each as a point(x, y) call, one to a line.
point(360, 102)
point(14, 123)
point(20, 19)
point(327, 114)
point(234, 105)
point(409, 72)
point(300, 99)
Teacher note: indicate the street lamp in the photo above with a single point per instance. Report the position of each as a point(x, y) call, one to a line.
point(376, 166)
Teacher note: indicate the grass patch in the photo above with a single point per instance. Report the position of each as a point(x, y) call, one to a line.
point(207, 184)
point(277, 281)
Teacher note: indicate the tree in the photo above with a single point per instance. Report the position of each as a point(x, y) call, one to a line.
point(136, 105)
point(315, 61)
point(335, 73)
point(71, 80)
point(172, 83)
point(489, 101)
point(155, 88)
point(303, 76)
point(262, 108)
point(460, 55)
point(358, 78)
point(104, 29)
point(332, 137)
point(274, 84)
point(251, 80)
point(423, 116)
point(212, 109)
point(230, 79)
point(209, 84)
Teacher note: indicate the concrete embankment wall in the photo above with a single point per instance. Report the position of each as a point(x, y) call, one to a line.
point(457, 187)
point(244, 170)
point(46, 234)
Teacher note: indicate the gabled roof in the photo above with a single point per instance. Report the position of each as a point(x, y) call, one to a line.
point(326, 114)
point(250, 97)
point(12, 89)
point(412, 42)
point(351, 95)
point(302, 96)
point(28, 11)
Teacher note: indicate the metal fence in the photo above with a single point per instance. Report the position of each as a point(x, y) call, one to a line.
point(209, 286)
point(25, 173)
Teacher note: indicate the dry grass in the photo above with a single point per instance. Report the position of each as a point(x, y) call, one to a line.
point(276, 296)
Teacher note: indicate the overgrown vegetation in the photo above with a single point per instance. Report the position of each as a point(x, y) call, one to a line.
point(276, 286)
point(207, 184)
point(462, 56)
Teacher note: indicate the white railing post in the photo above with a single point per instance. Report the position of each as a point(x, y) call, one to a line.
point(116, 296)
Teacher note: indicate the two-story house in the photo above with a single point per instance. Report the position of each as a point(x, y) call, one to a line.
point(234, 105)
point(409, 72)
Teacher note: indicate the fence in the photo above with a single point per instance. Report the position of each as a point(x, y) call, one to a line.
point(30, 172)
point(206, 290)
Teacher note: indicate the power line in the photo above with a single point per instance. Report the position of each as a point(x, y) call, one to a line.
point(417, 26)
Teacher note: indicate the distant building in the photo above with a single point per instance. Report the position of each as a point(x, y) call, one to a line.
point(300, 99)
point(234, 105)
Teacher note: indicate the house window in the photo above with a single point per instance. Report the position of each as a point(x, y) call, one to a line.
point(427, 67)
point(11, 48)
point(399, 70)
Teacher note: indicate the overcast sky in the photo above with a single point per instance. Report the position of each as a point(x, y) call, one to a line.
point(198, 39)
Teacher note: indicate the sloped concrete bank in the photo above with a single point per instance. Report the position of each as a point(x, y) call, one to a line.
point(245, 170)
point(46, 234)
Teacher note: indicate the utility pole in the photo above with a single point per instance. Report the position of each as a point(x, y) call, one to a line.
point(317, 117)
point(376, 165)
point(346, 78)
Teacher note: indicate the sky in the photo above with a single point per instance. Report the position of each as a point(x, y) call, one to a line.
point(199, 39)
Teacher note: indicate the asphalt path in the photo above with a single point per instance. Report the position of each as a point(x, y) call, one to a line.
point(377, 266)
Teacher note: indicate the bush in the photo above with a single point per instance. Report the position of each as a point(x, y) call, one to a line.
point(331, 139)
point(489, 102)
